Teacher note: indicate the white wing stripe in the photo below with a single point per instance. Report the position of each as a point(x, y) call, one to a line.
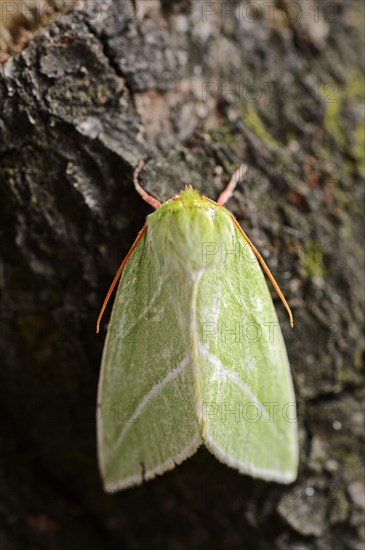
point(156, 388)
point(151, 303)
point(223, 372)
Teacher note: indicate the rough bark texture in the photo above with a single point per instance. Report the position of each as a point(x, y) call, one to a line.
point(94, 92)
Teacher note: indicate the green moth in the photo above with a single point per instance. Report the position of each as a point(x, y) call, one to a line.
point(194, 353)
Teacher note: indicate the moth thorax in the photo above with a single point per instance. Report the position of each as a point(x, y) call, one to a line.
point(190, 238)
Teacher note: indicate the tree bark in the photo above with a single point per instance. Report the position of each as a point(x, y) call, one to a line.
point(194, 89)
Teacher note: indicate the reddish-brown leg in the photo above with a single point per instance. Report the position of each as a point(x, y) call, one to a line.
point(227, 193)
point(145, 196)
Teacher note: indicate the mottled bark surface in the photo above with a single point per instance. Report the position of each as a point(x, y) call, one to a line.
point(194, 89)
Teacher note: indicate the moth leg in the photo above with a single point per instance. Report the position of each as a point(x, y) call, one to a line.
point(227, 193)
point(145, 196)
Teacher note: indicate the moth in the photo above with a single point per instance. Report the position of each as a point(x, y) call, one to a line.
point(194, 353)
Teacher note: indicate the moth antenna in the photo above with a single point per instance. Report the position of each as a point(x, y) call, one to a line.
point(266, 269)
point(227, 193)
point(145, 196)
point(118, 274)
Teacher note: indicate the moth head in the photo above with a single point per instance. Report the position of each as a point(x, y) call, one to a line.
point(184, 228)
